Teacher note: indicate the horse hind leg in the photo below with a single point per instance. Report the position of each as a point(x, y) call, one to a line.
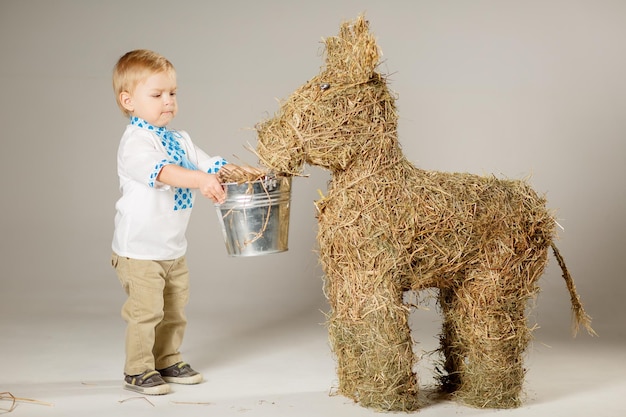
point(485, 334)
point(451, 347)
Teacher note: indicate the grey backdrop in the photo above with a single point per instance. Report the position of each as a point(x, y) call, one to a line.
point(515, 88)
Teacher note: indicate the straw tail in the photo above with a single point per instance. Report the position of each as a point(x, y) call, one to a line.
point(580, 317)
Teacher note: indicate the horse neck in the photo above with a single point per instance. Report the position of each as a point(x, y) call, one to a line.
point(373, 164)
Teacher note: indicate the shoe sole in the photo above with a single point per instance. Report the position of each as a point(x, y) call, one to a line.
point(188, 380)
point(156, 390)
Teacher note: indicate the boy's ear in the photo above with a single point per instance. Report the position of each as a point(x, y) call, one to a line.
point(126, 101)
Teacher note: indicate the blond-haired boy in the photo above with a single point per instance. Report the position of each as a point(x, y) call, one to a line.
point(159, 170)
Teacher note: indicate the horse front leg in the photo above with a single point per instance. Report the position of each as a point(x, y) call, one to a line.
point(370, 336)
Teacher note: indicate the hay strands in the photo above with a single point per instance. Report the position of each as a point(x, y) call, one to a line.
point(240, 174)
point(7, 396)
point(136, 398)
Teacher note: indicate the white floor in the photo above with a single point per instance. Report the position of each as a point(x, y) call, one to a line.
point(277, 368)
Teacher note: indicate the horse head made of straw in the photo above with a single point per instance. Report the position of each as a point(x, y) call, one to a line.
point(386, 227)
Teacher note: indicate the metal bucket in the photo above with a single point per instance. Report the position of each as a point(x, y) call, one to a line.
point(255, 216)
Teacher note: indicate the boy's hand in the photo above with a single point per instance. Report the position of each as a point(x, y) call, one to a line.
point(210, 187)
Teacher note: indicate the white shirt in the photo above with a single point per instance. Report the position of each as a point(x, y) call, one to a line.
point(146, 224)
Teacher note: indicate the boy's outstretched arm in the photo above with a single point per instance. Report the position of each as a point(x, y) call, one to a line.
point(208, 184)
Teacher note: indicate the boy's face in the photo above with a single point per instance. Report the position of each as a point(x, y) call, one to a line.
point(153, 99)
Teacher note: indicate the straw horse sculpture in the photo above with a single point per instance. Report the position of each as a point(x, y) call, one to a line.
point(386, 227)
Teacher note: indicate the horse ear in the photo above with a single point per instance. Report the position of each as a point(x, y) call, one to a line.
point(352, 56)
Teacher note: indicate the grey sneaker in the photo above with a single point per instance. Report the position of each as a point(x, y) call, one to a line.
point(148, 383)
point(181, 373)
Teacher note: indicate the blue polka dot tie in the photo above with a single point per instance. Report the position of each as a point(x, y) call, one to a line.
point(183, 198)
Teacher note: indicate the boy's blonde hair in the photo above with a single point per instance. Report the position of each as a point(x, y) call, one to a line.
point(134, 67)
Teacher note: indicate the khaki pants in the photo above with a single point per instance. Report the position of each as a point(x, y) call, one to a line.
point(158, 292)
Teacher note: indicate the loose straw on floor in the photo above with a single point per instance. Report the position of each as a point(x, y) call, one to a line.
point(7, 396)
